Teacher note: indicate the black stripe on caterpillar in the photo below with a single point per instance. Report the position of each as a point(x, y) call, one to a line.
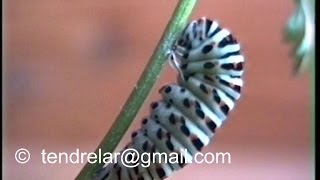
point(210, 65)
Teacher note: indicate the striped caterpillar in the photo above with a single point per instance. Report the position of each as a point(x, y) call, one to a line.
point(210, 67)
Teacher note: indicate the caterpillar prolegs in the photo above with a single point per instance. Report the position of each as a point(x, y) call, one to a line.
point(210, 65)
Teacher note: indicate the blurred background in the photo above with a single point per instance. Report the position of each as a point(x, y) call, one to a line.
point(70, 65)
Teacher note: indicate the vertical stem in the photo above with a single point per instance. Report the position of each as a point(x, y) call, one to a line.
point(145, 84)
point(310, 8)
point(313, 120)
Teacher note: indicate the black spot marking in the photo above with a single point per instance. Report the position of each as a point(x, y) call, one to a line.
point(172, 120)
point(145, 121)
point(169, 145)
point(186, 55)
point(189, 46)
point(126, 146)
point(171, 101)
point(182, 90)
point(233, 39)
point(167, 90)
point(229, 96)
point(239, 66)
point(136, 169)
point(105, 176)
point(237, 88)
point(119, 173)
point(203, 88)
point(211, 125)
point(153, 148)
point(232, 66)
point(206, 77)
point(154, 105)
point(168, 105)
point(159, 134)
point(184, 66)
point(187, 37)
point(171, 57)
point(161, 173)
point(225, 109)
point(214, 91)
point(217, 99)
point(200, 113)
point(208, 65)
point(227, 66)
point(194, 30)
point(186, 77)
point(234, 76)
point(185, 130)
point(182, 120)
point(134, 134)
point(181, 161)
point(230, 54)
point(180, 42)
point(208, 25)
point(145, 146)
point(227, 41)
point(197, 104)
point(168, 135)
point(215, 31)
point(197, 143)
point(223, 82)
point(206, 49)
point(186, 103)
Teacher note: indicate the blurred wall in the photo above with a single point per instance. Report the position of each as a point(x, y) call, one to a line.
point(70, 65)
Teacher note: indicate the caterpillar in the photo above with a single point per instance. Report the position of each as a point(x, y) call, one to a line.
point(210, 65)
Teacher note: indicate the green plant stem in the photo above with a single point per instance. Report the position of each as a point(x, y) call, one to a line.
point(311, 12)
point(313, 123)
point(145, 84)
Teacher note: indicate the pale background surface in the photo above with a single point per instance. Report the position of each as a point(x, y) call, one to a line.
point(70, 65)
